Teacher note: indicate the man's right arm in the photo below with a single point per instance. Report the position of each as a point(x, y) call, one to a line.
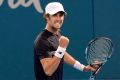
point(51, 64)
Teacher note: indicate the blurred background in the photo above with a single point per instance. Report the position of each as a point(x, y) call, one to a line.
point(86, 19)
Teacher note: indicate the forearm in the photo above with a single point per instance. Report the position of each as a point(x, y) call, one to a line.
point(51, 64)
point(71, 61)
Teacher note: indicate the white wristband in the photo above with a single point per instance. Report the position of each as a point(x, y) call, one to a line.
point(79, 66)
point(60, 52)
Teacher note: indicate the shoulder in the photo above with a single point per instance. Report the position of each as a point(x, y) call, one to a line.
point(41, 39)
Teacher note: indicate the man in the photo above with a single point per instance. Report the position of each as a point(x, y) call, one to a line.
point(50, 47)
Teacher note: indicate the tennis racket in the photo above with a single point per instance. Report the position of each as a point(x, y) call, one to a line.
point(98, 51)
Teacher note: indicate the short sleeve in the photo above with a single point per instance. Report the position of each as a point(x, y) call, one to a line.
point(42, 49)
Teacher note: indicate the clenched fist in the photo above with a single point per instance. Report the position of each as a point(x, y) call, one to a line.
point(63, 42)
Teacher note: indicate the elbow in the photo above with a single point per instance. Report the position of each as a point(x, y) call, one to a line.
point(48, 73)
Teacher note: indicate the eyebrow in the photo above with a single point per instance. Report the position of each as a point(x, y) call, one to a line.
point(61, 13)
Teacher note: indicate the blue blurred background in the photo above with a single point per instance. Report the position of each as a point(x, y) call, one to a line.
point(86, 19)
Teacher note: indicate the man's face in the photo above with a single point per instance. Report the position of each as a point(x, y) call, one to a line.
point(55, 21)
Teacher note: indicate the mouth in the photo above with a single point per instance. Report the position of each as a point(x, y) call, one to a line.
point(58, 25)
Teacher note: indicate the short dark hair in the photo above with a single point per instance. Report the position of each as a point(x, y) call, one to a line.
point(46, 16)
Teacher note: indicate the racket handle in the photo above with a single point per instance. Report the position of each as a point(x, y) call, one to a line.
point(91, 78)
point(94, 73)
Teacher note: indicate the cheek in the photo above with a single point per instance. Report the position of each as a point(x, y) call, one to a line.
point(51, 21)
point(62, 19)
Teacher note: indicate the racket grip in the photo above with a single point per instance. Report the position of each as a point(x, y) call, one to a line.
point(91, 78)
point(94, 73)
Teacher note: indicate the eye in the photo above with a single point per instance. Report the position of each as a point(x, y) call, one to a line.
point(55, 14)
point(62, 14)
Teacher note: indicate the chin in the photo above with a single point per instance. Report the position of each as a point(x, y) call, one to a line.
point(57, 27)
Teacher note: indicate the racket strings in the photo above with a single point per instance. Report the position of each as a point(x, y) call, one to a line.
point(99, 49)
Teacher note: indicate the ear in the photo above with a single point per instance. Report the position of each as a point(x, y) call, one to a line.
point(46, 17)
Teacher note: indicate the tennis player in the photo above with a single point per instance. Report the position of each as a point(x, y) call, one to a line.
point(50, 47)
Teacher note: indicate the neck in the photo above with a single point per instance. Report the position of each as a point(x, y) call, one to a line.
point(52, 29)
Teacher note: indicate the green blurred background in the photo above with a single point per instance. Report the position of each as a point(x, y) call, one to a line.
point(86, 19)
